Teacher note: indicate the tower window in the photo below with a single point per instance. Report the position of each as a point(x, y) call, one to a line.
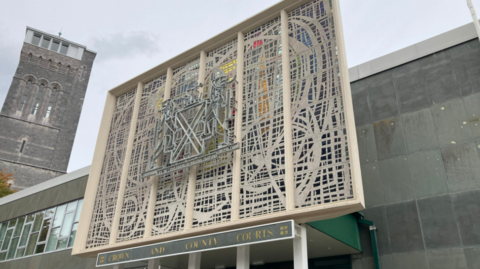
point(64, 48)
point(51, 102)
point(26, 94)
point(45, 42)
point(23, 146)
point(36, 39)
point(38, 100)
point(55, 45)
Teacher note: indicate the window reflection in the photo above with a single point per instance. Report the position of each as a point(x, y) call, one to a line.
point(40, 232)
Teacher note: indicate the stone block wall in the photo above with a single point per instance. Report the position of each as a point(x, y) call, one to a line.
point(418, 128)
point(48, 140)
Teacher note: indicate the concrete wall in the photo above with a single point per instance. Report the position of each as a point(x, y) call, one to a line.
point(49, 141)
point(418, 128)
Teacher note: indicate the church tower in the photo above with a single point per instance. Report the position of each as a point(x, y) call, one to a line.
point(39, 118)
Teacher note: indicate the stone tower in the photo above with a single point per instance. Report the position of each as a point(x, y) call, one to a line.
point(39, 118)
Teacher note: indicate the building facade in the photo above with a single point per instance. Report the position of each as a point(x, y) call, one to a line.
point(42, 108)
point(416, 114)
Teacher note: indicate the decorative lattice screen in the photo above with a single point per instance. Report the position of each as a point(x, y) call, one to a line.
point(262, 176)
point(109, 183)
point(137, 190)
point(320, 152)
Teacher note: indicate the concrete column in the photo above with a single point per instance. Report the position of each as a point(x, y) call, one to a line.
point(192, 176)
point(237, 155)
point(94, 177)
point(153, 264)
point(154, 187)
point(194, 260)
point(243, 257)
point(287, 117)
point(300, 254)
point(126, 165)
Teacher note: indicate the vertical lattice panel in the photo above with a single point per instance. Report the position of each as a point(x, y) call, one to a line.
point(213, 188)
point(320, 152)
point(109, 183)
point(262, 188)
point(137, 190)
point(169, 215)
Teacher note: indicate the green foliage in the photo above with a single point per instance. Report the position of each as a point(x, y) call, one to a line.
point(4, 187)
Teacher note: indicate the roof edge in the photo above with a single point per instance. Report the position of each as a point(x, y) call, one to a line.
point(421, 49)
point(57, 37)
point(46, 185)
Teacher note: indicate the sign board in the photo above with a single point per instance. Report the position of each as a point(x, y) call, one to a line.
point(234, 238)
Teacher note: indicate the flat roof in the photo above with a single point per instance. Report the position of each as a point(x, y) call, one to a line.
point(411, 53)
point(46, 185)
point(60, 38)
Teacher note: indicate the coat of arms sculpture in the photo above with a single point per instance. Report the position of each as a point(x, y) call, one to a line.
point(186, 126)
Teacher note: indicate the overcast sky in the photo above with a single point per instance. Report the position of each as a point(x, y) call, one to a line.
point(131, 37)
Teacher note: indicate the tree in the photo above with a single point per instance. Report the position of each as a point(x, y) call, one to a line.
point(4, 186)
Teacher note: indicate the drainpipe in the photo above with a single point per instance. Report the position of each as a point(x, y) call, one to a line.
point(474, 17)
point(373, 238)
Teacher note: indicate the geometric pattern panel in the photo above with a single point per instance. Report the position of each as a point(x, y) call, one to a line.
point(109, 183)
point(320, 151)
point(213, 188)
point(262, 188)
point(137, 190)
point(169, 215)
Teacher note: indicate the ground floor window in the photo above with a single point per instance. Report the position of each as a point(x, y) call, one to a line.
point(39, 232)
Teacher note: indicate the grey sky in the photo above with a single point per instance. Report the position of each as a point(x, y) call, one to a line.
point(131, 37)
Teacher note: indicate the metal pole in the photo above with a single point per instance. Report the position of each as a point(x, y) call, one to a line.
point(474, 16)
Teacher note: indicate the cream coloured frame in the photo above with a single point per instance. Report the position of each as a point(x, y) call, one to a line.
point(303, 214)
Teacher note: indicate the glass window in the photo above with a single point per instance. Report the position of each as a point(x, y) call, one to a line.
point(71, 206)
point(55, 45)
point(79, 210)
point(31, 217)
point(49, 212)
point(7, 239)
point(25, 234)
point(26, 94)
point(64, 48)
point(3, 230)
point(44, 231)
point(40, 248)
point(36, 39)
point(32, 241)
point(52, 239)
point(38, 100)
point(12, 249)
point(20, 253)
point(49, 230)
point(18, 228)
point(59, 215)
point(38, 222)
point(51, 102)
point(45, 42)
point(72, 235)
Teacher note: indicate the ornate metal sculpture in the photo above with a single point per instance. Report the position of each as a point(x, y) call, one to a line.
point(186, 125)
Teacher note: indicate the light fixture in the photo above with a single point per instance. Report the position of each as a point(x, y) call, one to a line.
point(258, 263)
point(220, 266)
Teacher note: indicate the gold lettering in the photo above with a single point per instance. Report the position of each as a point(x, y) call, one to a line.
point(270, 233)
point(237, 237)
point(195, 244)
point(258, 234)
point(263, 233)
point(126, 254)
point(215, 240)
point(204, 242)
point(186, 246)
